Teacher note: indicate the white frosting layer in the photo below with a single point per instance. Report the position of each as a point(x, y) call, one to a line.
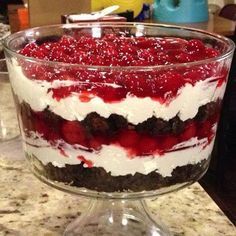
point(135, 109)
point(114, 158)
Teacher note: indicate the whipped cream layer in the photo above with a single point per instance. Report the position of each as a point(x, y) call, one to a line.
point(134, 109)
point(114, 159)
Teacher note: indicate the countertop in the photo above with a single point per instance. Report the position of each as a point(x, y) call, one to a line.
point(29, 207)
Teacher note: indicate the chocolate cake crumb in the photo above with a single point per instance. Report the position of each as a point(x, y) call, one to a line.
point(26, 115)
point(97, 179)
point(52, 118)
point(206, 111)
point(96, 124)
point(177, 125)
point(117, 122)
point(154, 126)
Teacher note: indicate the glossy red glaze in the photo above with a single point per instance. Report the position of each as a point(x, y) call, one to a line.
point(113, 50)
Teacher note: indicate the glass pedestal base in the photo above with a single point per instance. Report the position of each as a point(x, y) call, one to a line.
point(117, 218)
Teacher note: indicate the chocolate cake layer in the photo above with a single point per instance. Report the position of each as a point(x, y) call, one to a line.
point(95, 124)
point(98, 179)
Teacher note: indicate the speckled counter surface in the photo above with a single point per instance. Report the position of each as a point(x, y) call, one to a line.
point(31, 208)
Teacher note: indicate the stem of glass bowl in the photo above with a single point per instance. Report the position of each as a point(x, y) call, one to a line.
point(118, 218)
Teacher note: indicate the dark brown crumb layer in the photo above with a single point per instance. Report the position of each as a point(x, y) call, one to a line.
point(95, 124)
point(98, 179)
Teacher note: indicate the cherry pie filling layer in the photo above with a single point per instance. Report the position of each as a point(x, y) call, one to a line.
point(119, 129)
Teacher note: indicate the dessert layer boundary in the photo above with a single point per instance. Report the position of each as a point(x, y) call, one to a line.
point(114, 159)
point(71, 108)
point(97, 179)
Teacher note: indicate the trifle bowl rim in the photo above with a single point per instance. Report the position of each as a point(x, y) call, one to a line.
point(28, 32)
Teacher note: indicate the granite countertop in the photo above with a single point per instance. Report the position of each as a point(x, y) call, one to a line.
point(29, 207)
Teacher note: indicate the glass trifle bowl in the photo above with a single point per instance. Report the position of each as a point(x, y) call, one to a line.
point(118, 112)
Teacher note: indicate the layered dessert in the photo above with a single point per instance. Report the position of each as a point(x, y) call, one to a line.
point(113, 113)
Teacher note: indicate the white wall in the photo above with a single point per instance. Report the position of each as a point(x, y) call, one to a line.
point(221, 2)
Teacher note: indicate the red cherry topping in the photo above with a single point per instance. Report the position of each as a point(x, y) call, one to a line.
point(168, 142)
point(128, 138)
point(189, 132)
point(204, 129)
point(85, 161)
point(97, 141)
point(73, 132)
point(41, 127)
point(147, 145)
point(114, 50)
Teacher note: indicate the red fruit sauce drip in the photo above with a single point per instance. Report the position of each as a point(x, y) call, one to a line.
point(85, 161)
point(63, 153)
point(135, 143)
point(113, 50)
